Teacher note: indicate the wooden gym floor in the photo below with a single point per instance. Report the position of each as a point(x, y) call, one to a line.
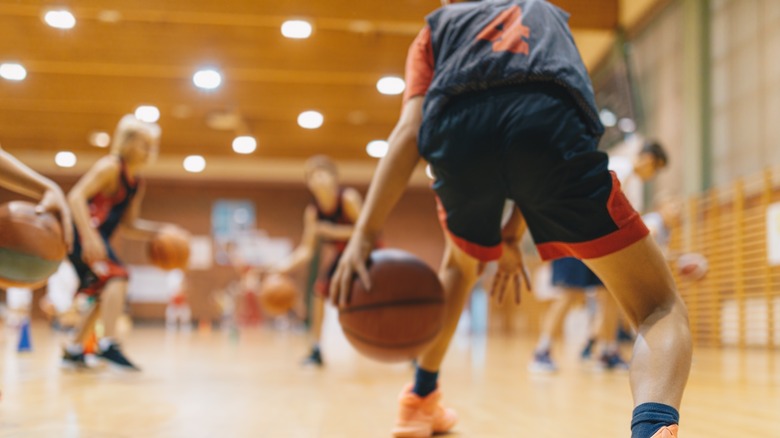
point(205, 384)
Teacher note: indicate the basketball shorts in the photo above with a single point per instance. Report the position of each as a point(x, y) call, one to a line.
point(90, 281)
point(528, 144)
point(572, 273)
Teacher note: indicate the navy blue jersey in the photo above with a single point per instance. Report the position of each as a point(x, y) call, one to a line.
point(492, 44)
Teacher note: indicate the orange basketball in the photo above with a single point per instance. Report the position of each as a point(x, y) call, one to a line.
point(31, 245)
point(403, 312)
point(277, 294)
point(692, 266)
point(170, 249)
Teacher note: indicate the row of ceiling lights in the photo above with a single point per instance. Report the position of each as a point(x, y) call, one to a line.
point(206, 79)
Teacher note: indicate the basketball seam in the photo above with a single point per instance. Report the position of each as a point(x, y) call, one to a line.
point(406, 303)
point(374, 343)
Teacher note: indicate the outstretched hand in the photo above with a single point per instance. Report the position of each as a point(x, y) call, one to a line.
point(510, 270)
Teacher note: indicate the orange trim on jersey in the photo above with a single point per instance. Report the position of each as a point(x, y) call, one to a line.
point(479, 252)
point(419, 65)
point(631, 229)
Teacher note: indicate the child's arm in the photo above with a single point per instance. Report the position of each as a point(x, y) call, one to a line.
point(511, 266)
point(100, 178)
point(352, 205)
point(305, 250)
point(390, 180)
point(135, 227)
point(14, 175)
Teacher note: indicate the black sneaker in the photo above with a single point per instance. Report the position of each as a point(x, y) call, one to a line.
point(74, 361)
point(114, 355)
point(314, 359)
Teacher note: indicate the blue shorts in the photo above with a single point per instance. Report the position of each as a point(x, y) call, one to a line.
point(529, 144)
point(572, 273)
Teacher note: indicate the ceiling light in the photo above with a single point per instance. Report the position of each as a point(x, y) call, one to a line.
point(244, 144)
point(429, 172)
point(608, 118)
point(99, 139)
point(65, 159)
point(310, 119)
point(147, 113)
point(12, 71)
point(194, 164)
point(60, 19)
point(391, 85)
point(296, 29)
point(207, 79)
point(627, 125)
point(377, 148)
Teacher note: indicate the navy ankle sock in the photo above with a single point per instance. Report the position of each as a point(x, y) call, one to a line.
point(425, 382)
point(650, 417)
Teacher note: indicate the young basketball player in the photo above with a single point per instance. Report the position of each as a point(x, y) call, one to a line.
point(106, 198)
point(499, 103)
point(19, 178)
point(329, 219)
point(574, 277)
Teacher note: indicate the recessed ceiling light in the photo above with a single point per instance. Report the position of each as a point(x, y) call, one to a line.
point(65, 159)
point(147, 113)
point(310, 120)
point(60, 19)
point(99, 139)
point(429, 172)
point(207, 79)
point(296, 29)
point(391, 85)
point(194, 164)
point(627, 125)
point(244, 144)
point(109, 16)
point(608, 118)
point(377, 148)
point(12, 71)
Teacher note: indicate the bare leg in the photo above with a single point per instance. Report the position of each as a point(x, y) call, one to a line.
point(113, 302)
point(553, 318)
point(605, 327)
point(317, 318)
point(87, 325)
point(642, 284)
point(458, 274)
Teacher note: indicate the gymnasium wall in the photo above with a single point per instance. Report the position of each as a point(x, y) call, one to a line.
point(412, 226)
point(745, 68)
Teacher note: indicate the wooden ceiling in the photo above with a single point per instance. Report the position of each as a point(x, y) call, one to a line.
point(84, 79)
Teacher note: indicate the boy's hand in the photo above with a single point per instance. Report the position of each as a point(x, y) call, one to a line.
point(353, 260)
point(510, 267)
point(54, 202)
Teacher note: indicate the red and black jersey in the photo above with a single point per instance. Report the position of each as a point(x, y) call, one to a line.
point(338, 216)
point(106, 212)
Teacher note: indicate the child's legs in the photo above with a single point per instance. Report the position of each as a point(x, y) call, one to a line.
point(642, 284)
point(317, 317)
point(112, 305)
point(87, 325)
point(553, 318)
point(458, 275)
point(606, 323)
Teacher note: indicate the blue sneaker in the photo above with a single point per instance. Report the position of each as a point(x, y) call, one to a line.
point(587, 352)
point(612, 362)
point(542, 363)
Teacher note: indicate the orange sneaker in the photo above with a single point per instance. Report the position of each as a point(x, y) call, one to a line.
point(421, 417)
point(667, 432)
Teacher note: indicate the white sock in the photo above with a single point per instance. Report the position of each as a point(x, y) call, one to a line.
point(545, 342)
point(74, 349)
point(105, 343)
